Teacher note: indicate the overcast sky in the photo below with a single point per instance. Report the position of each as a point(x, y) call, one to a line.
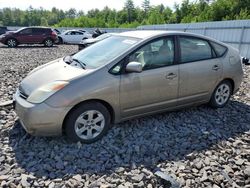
point(84, 5)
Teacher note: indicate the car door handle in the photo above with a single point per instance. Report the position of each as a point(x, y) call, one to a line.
point(216, 67)
point(171, 76)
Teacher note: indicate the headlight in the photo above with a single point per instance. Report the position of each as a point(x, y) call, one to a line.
point(45, 91)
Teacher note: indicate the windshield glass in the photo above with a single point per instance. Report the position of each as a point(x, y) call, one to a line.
point(104, 51)
point(20, 29)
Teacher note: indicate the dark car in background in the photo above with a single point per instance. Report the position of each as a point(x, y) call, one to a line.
point(3, 30)
point(29, 35)
point(87, 42)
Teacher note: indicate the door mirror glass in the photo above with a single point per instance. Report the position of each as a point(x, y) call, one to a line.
point(134, 67)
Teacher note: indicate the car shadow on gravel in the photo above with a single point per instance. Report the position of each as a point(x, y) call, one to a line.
point(30, 46)
point(140, 142)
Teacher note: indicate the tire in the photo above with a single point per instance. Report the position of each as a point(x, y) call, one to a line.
point(48, 42)
point(12, 43)
point(60, 40)
point(221, 94)
point(87, 123)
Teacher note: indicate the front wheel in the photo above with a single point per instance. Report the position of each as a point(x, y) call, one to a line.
point(48, 43)
point(60, 40)
point(221, 95)
point(12, 43)
point(87, 123)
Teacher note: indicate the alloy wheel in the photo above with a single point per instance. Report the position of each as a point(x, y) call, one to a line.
point(89, 124)
point(11, 43)
point(48, 43)
point(222, 94)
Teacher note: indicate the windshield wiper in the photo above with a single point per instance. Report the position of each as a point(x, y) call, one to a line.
point(69, 60)
point(83, 65)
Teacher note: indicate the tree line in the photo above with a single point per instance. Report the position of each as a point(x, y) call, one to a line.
point(130, 16)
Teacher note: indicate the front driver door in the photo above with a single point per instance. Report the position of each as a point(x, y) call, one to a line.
point(25, 36)
point(156, 87)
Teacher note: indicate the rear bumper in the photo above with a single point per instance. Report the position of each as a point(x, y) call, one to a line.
point(81, 46)
point(39, 119)
point(238, 80)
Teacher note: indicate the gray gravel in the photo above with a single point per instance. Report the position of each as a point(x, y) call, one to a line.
point(197, 147)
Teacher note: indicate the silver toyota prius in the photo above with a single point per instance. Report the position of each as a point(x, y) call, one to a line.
point(125, 76)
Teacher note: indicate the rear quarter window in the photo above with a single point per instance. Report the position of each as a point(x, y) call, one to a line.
point(219, 49)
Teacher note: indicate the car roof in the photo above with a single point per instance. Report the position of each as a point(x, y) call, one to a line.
point(144, 34)
point(37, 27)
point(73, 30)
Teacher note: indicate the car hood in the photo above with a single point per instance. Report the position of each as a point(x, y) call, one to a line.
point(9, 32)
point(88, 41)
point(50, 72)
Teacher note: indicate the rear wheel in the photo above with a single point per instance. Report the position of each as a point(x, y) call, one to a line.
point(12, 43)
point(88, 122)
point(48, 42)
point(221, 94)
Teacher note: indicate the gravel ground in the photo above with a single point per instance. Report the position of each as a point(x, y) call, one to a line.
point(198, 147)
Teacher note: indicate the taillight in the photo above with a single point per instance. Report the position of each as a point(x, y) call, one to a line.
point(54, 33)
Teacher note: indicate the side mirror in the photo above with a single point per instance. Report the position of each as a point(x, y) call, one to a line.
point(134, 67)
point(245, 61)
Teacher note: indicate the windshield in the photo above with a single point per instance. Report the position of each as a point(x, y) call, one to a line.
point(20, 29)
point(104, 51)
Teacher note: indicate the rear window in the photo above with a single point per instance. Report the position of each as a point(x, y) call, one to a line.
point(219, 49)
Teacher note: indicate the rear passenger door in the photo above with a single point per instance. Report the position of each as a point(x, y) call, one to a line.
point(200, 70)
point(77, 37)
point(38, 35)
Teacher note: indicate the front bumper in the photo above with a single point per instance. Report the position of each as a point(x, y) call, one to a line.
point(2, 40)
point(39, 119)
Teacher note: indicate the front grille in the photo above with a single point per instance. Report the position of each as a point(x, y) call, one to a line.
point(22, 94)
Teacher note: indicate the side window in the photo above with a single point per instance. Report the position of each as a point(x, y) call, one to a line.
point(117, 68)
point(219, 49)
point(26, 31)
point(156, 54)
point(79, 33)
point(194, 49)
point(37, 31)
